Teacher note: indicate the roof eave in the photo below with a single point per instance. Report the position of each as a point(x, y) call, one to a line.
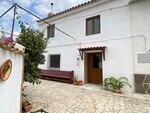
point(74, 10)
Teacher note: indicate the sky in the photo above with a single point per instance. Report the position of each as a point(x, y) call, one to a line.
point(39, 7)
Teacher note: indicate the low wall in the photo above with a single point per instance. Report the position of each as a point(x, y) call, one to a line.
point(10, 90)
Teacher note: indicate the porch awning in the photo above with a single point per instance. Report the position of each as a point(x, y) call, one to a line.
point(102, 48)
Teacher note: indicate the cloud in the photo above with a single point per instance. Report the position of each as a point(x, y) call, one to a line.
point(4, 7)
point(24, 3)
point(39, 7)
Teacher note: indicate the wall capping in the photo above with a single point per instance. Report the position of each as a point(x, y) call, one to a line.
point(13, 48)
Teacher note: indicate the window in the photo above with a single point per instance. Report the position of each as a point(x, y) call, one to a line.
point(97, 61)
point(93, 25)
point(54, 61)
point(51, 31)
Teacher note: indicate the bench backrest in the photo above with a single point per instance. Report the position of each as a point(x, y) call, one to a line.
point(57, 72)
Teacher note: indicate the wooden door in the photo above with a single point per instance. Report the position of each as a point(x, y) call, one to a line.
point(95, 68)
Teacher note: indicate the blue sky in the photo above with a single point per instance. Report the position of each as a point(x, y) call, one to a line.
point(39, 7)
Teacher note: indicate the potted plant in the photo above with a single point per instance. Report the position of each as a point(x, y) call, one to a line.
point(75, 80)
point(106, 83)
point(117, 84)
point(26, 106)
point(80, 82)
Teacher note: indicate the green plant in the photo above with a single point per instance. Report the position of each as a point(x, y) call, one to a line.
point(106, 83)
point(26, 103)
point(118, 83)
point(6, 69)
point(26, 106)
point(35, 44)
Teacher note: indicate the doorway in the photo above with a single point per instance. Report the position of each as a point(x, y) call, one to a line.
point(94, 68)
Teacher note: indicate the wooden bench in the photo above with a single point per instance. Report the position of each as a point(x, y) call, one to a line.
point(57, 75)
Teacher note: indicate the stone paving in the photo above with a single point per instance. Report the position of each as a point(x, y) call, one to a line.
point(56, 97)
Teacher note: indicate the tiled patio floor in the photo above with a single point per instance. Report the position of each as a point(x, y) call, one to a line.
point(57, 97)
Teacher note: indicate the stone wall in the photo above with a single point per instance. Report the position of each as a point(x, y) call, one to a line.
point(142, 83)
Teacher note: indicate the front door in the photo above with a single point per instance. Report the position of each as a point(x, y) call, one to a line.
point(95, 68)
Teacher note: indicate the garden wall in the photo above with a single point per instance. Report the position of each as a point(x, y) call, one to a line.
point(10, 90)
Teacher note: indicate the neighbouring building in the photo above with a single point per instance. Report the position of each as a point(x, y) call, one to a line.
point(107, 38)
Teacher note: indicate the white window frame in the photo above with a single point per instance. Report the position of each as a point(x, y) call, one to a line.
point(49, 35)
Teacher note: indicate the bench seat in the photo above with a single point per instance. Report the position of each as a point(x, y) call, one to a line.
point(57, 75)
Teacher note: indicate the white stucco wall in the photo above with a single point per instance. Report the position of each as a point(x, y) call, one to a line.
point(11, 88)
point(115, 35)
point(140, 20)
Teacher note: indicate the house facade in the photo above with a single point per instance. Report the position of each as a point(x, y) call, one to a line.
point(102, 38)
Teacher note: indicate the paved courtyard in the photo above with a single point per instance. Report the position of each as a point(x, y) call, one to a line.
point(56, 97)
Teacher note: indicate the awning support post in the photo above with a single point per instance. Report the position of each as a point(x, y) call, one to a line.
point(103, 53)
point(81, 54)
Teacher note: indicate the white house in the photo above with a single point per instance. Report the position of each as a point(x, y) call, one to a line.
point(106, 38)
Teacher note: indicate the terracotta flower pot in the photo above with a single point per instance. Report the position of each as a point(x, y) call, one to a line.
point(27, 108)
point(117, 91)
point(80, 83)
point(75, 83)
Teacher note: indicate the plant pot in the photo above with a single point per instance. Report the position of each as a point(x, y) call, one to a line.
point(116, 91)
point(80, 83)
point(75, 83)
point(27, 108)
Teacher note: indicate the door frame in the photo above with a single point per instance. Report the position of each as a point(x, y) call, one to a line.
point(86, 64)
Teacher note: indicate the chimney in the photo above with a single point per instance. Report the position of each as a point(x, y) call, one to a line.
point(51, 13)
point(52, 7)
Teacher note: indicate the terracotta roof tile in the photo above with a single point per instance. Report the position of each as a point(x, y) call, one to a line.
point(93, 48)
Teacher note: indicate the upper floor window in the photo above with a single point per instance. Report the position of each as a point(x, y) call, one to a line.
point(93, 25)
point(51, 31)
